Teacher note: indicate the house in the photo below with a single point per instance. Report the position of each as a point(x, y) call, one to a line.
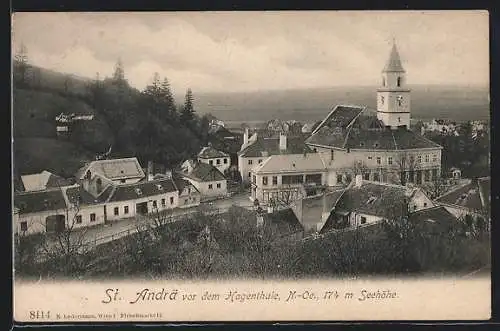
point(84, 210)
point(368, 202)
point(226, 141)
point(40, 211)
point(189, 196)
point(377, 142)
point(257, 147)
point(288, 177)
point(119, 171)
point(315, 210)
point(473, 198)
point(42, 181)
point(212, 156)
point(142, 198)
point(207, 179)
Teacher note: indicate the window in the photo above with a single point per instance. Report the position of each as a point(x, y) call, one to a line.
point(292, 179)
point(363, 220)
point(24, 226)
point(376, 177)
point(419, 159)
point(171, 200)
point(210, 186)
point(115, 211)
point(369, 157)
point(218, 161)
point(389, 160)
point(434, 158)
point(399, 82)
point(125, 210)
point(138, 191)
point(264, 180)
point(399, 100)
point(260, 161)
point(163, 204)
point(367, 176)
point(383, 81)
point(123, 181)
point(225, 161)
point(275, 180)
point(92, 217)
point(154, 204)
point(250, 161)
point(218, 185)
point(331, 155)
point(426, 157)
point(78, 219)
point(379, 160)
point(425, 204)
point(211, 162)
point(339, 178)
point(249, 174)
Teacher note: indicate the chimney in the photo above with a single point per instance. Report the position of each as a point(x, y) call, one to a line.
point(168, 173)
point(358, 181)
point(245, 137)
point(150, 171)
point(282, 141)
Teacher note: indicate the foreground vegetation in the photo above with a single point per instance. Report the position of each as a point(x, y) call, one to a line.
point(232, 246)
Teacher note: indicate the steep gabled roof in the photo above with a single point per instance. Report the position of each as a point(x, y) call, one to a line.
point(203, 172)
point(114, 169)
point(284, 221)
point(434, 220)
point(353, 127)
point(39, 201)
point(42, 181)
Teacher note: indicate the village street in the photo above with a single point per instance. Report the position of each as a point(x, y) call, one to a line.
point(104, 233)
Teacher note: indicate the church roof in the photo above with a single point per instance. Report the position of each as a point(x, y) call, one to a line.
point(393, 64)
point(356, 127)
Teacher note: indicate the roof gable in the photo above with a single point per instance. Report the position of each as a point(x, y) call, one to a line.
point(283, 221)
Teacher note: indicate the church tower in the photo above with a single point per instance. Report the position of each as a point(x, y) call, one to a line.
point(393, 97)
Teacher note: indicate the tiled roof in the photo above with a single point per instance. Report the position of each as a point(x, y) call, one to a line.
point(340, 117)
point(32, 202)
point(467, 196)
point(284, 221)
point(146, 189)
point(203, 172)
point(434, 220)
point(78, 194)
point(295, 145)
point(373, 198)
point(291, 163)
point(364, 132)
point(42, 181)
point(114, 168)
point(210, 153)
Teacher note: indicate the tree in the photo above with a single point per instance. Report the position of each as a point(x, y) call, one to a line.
point(167, 96)
point(119, 72)
point(21, 65)
point(188, 112)
point(406, 167)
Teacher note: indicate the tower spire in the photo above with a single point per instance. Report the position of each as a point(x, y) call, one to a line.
point(393, 64)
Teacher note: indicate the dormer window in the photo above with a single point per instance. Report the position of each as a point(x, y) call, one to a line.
point(138, 191)
point(159, 187)
point(399, 100)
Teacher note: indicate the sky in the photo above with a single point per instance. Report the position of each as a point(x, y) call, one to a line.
point(249, 51)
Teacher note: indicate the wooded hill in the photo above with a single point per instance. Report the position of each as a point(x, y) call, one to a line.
point(147, 124)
